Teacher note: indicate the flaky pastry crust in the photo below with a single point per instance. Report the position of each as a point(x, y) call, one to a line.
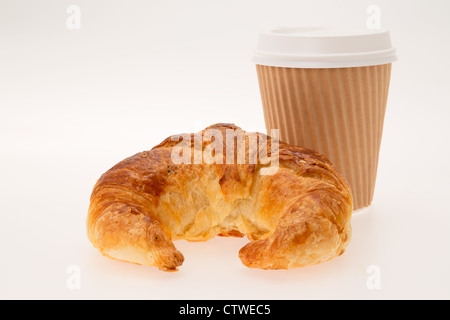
point(298, 216)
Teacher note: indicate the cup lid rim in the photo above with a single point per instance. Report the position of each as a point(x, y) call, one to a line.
point(324, 47)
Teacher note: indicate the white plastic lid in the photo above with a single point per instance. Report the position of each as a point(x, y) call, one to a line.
point(324, 47)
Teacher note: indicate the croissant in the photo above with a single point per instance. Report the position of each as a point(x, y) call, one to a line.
point(296, 215)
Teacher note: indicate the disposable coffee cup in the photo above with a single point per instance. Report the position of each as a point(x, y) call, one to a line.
point(326, 89)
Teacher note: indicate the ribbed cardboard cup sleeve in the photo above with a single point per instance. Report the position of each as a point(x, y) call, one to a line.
point(338, 112)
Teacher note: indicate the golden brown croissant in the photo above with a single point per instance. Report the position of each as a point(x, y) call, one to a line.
point(297, 216)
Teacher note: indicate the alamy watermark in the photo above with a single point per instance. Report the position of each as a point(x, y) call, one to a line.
point(240, 148)
point(73, 281)
point(374, 20)
point(374, 279)
point(73, 21)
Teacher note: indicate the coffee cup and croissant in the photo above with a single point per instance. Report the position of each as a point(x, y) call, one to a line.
point(322, 88)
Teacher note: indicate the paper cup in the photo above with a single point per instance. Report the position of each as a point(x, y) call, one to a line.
point(326, 89)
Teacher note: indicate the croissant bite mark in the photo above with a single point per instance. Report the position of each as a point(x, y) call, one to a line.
point(298, 216)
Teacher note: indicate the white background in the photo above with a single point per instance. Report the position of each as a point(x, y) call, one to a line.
point(75, 102)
